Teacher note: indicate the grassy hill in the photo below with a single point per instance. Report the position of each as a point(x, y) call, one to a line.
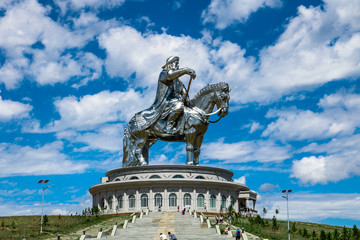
point(70, 227)
point(278, 230)
point(19, 227)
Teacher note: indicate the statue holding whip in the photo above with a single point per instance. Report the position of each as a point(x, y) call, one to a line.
point(173, 117)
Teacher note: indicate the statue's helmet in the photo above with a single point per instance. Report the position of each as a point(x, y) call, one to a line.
point(170, 60)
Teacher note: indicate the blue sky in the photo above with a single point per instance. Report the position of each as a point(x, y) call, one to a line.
point(73, 72)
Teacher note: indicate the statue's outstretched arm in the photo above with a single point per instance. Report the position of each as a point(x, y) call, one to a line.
point(172, 74)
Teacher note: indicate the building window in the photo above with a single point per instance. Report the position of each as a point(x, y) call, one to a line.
point(158, 200)
point(131, 201)
point(213, 201)
point(200, 200)
point(223, 202)
point(187, 199)
point(133, 178)
point(120, 202)
point(178, 176)
point(232, 201)
point(110, 202)
point(155, 176)
point(172, 200)
point(144, 200)
point(102, 203)
point(199, 177)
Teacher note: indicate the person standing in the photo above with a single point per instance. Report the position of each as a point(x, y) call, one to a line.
point(238, 234)
point(172, 236)
point(163, 236)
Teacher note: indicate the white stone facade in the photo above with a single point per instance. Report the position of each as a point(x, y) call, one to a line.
point(199, 188)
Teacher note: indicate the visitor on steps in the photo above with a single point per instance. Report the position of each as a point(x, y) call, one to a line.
point(163, 236)
point(238, 234)
point(172, 236)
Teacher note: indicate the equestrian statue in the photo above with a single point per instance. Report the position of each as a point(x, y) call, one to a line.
point(173, 117)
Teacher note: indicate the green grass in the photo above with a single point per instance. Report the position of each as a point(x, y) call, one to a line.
point(19, 227)
point(263, 228)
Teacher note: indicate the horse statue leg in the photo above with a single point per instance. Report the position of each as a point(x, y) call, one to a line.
point(190, 140)
point(197, 146)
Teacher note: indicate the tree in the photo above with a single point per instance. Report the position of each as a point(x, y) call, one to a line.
point(313, 235)
point(264, 211)
point(275, 225)
point(329, 236)
point(46, 220)
point(355, 233)
point(336, 234)
point(276, 212)
point(305, 233)
point(95, 211)
point(322, 235)
point(345, 234)
point(230, 210)
point(293, 228)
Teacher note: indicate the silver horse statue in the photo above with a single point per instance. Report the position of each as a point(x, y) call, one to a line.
point(192, 125)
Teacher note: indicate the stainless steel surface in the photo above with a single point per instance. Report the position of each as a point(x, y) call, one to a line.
point(172, 118)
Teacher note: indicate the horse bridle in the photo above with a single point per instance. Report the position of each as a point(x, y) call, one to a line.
point(219, 109)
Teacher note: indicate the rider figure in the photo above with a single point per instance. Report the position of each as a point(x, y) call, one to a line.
point(169, 100)
point(175, 100)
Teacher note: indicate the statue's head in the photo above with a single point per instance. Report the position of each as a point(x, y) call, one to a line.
point(172, 63)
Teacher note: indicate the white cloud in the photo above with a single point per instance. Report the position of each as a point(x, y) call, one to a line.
point(314, 207)
point(339, 160)
point(226, 12)
point(12, 208)
point(18, 160)
point(91, 111)
point(13, 110)
point(268, 187)
point(339, 118)
point(254, 127)
point(246, 151)
point(107, 137)
point(317, 46)
point(241, 179)
point(26, 23)
point(67, 5)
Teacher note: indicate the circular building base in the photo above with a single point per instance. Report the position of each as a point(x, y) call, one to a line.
point(169, 188)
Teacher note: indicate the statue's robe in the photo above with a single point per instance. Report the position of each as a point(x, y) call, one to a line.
point(167, 92)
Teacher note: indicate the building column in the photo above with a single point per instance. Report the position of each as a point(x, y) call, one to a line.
point(218, 202)
point(180, 200)
point(193, 198)
point(126, 202)
point(254, 204)
point(207, 200)
point(151, 200)
point(165, 205)
point(137, 201)
point(247, 203)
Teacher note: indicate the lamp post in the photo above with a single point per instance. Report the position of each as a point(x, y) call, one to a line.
point(287, 191)
point(42, 205)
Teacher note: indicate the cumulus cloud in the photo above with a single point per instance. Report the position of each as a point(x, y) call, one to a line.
point(268, 187)
point(314, 207)
point(339, 118)
point(246, 151)
point(67, 5)
point(18, 160)
point(226, 12)
point(12, 208)
point(340, 153)
point(37, 47)
point(91, 111)
point(10, 110)
point(241, 179)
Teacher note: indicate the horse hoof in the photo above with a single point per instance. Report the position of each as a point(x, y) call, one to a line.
point(189, 163)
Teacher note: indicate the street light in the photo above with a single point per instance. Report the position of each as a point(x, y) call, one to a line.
point(287, 191)
point(42, 205)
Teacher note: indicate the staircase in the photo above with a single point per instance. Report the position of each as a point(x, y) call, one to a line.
point(185, 227)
